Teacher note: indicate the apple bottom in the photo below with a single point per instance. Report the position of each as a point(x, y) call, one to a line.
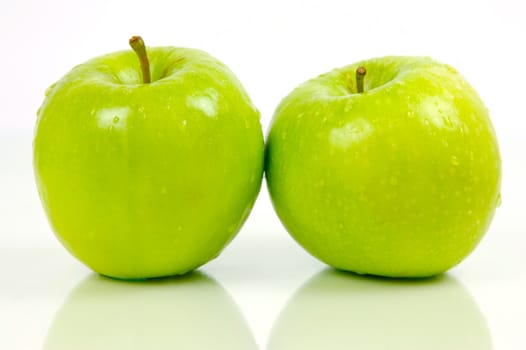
point(365, 243)
point(175, 248)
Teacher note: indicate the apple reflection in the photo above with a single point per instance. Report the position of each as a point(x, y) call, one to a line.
point(338, 310)
point(189, 312)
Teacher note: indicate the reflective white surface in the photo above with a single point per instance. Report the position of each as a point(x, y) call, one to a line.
point(263, 291)
point(190, 312)
point(346, 310)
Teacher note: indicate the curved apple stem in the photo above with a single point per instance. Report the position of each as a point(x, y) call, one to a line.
point(137, 44)
point(360, 75)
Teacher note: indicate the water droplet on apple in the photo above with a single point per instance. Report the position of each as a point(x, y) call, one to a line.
point(470, 212)
point(115, 120)
point(454, 161)
point(183, 122)
point(284, 135)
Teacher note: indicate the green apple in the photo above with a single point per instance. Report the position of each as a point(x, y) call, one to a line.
point(395, 172)
point(186, 312)
point(353, 312)
point(145, 179)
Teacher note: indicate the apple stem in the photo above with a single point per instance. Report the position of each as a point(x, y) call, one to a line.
point(137, 44)
point(360, 75)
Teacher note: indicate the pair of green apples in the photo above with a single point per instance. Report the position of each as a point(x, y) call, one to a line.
point(148, 165)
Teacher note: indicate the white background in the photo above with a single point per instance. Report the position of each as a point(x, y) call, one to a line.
point(271, 46)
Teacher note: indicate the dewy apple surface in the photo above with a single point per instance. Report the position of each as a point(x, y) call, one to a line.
point(394, 172)
point(148, 174)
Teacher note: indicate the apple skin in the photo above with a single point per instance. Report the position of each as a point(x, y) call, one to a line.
point(401, 180)
point(148, 180)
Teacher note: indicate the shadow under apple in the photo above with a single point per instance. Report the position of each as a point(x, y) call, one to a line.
point(338, 310)
point(188, 312)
